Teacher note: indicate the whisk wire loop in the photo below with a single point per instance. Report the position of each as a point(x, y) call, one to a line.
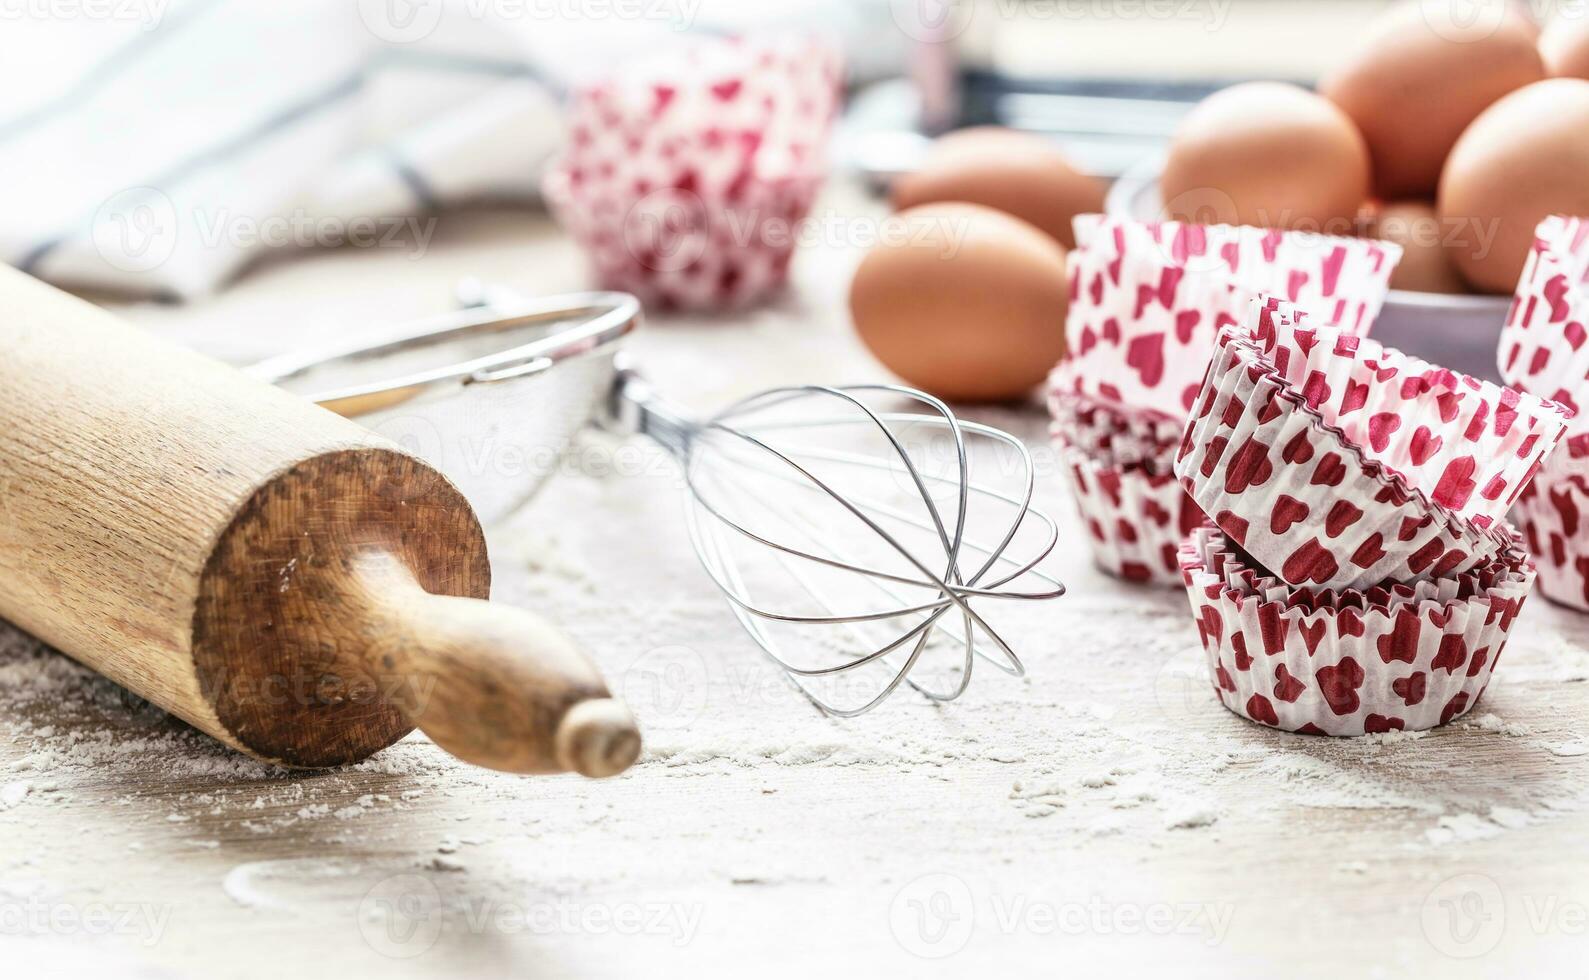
point(730, 458)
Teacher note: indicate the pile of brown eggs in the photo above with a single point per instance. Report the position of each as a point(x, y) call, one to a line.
point(1450, 138)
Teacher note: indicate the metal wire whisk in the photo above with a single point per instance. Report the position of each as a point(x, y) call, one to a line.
point(848, 534)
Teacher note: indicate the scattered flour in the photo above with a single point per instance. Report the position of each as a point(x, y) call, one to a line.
point(1393, 737)
point(1461, 828)
point(12, 794)
point(269, 885)
point(554, 567)
point(100, 735)
point(1510, 817)
point(1492, 723)
point(1189, 816)
point(1571, 750)
point(1045, 792)
point(795, 753)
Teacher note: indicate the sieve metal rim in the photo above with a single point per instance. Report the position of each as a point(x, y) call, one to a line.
point(600, 320)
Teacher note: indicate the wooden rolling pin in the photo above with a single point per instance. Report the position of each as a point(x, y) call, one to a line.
point(272, 573)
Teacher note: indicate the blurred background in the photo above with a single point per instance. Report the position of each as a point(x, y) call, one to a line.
point(157, 150)
point(119, 119)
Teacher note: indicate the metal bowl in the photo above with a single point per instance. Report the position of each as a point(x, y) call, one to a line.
point(491, 396)
point(1458, 332)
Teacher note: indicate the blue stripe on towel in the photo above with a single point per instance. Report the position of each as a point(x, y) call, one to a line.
point(107, 68)
point(265, 129)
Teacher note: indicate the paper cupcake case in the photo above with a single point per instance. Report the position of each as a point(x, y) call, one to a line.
point(1136, 515)
point(686, 175)
point(1238, 571)
point(1553, 514)
point(1148, 300)
point(1545, 342)
point(684, 250)
point(1125, 435)
point(1409, 658)
point(709, 107)
point(1301, 498)
point(1469, 445)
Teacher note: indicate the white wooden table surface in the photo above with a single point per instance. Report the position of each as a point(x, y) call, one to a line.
point(1102, 816)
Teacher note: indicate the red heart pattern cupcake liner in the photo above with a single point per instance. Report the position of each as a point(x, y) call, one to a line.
point(1148, 300)
point(1545, 342)
point(686, 176)
point(1301, 497)
point(1124, 435)
point(1407, 657)
point(681, 251)
point(1553, 514)
point(1468, 445)
point(1136, 514)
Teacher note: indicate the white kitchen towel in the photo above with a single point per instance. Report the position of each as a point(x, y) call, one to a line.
point(157, 146)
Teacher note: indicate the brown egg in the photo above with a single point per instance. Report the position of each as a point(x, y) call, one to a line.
point(1524, 11)
point(1565, 47)
point(1268, 154)
point(1524, 158)
point(963, 301)
point(1416, 82)
point(1425, 265)
point(1007, 170)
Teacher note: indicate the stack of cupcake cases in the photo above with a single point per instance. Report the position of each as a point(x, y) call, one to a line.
point(1358, 494)
point(1117, 463)
point(686, 175)
point(1147, 301)
point(1545, 350)
point(1349, 662)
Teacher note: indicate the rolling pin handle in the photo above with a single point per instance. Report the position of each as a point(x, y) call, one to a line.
point(493, 685)
point(598, 738)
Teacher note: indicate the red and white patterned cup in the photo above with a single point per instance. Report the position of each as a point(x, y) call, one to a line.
point(1553, 514)
point(687, 177)
point(1136, 514)
point(1148, 300)
point(1467, 444)
point(1401, 658)
point(1304, 499)
point(1126, 436)
point(1545, 343)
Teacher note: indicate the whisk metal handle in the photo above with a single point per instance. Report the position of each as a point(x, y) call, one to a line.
point(634, 407)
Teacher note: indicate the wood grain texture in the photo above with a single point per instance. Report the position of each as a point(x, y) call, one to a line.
point(285, 639)
point(268, 571)
point(463, 674)
point(116, 492)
